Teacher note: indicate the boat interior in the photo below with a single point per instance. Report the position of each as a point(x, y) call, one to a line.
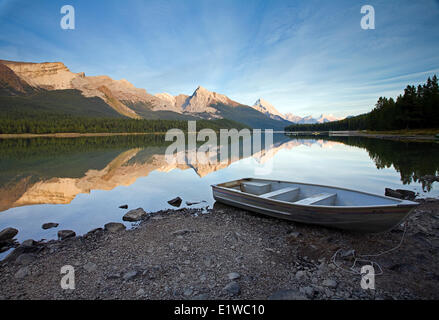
point(305, 194)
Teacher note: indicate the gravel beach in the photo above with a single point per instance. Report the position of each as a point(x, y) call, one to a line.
point(227, 253)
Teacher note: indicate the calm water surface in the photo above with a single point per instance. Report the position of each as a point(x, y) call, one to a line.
point(80, 182)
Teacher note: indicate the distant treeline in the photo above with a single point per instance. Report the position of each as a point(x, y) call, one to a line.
point(416, 108)
point(49, 123)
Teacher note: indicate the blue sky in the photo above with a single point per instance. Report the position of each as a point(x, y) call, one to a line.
point(305, 57)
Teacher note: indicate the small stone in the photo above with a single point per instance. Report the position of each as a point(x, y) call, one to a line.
point(65, 234)
point(208, 261)
point(22, 273)
point(180, 232)
point(95, 230)
point(130, 275)
point(125, 206)
point(113, 276)
point(407, 194)
point(49, 225)
point(330, 283)
point(300, 274)
point(8, 234)
point(308, 291)
point(25, 258)
point(393, 193)
point(294, 234)
point(287, 295)
point(203, 296)
point(233, 276)
point(114, 227)
point(135, 215)
point(188, 292)
point(140, 292)
point(233, 288)
point(28, 243)
point(176, 202)
point(90, 267)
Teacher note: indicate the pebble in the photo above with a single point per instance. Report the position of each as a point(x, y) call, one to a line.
point(233, 276)
point(90, 267)
point(330, 283)
point(300, 274)
point(140, 292)
point(287, 295)
point(180, 232)
point(188, 292)
point(22, 273)
point(130, 275)
point(308, 291)
point(233, 288)
point(114, 276)
point(294, 234)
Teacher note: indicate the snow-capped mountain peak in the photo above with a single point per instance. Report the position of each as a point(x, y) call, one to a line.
point(268, 109)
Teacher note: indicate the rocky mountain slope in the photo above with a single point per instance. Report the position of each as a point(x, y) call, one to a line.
point(11, 84)
point(268, 109)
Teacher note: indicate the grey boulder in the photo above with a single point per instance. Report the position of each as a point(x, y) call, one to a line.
point(49, 225)
point(8, 234)
point(114, 227)
point(135, 215)
point(65, 234)
point(176, 202)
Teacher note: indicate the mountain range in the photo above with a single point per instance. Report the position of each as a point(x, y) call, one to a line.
point(268, 109)
point(52, 87)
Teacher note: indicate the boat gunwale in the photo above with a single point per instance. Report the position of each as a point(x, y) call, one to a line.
point(402, 204)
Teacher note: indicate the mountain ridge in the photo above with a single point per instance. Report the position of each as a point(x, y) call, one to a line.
point(21, 78)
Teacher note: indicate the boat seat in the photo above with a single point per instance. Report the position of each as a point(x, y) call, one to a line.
point(284, 194)
point(321, 198)
point(256, 188)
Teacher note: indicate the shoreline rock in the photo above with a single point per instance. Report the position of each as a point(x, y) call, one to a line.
point(135, 215)
point(49, 225)
point(176, 202)
point(114, 227)
point(224, 255)
point(65, 234)
point(8, 234)
point(400, 194)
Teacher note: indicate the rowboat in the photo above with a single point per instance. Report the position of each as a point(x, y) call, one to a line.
point(315, 204)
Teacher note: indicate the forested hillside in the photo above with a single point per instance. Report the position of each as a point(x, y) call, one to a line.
point(417, 107)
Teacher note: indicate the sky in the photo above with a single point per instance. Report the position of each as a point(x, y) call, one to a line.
point(304, 57)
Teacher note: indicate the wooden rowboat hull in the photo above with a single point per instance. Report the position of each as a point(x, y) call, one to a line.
point(361, 218)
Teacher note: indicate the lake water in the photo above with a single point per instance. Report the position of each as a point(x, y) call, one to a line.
point(80, 182)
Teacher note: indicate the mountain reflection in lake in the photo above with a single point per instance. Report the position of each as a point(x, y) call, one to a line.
point(80, 182)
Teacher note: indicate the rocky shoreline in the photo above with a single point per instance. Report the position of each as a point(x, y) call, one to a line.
point(228, 253)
